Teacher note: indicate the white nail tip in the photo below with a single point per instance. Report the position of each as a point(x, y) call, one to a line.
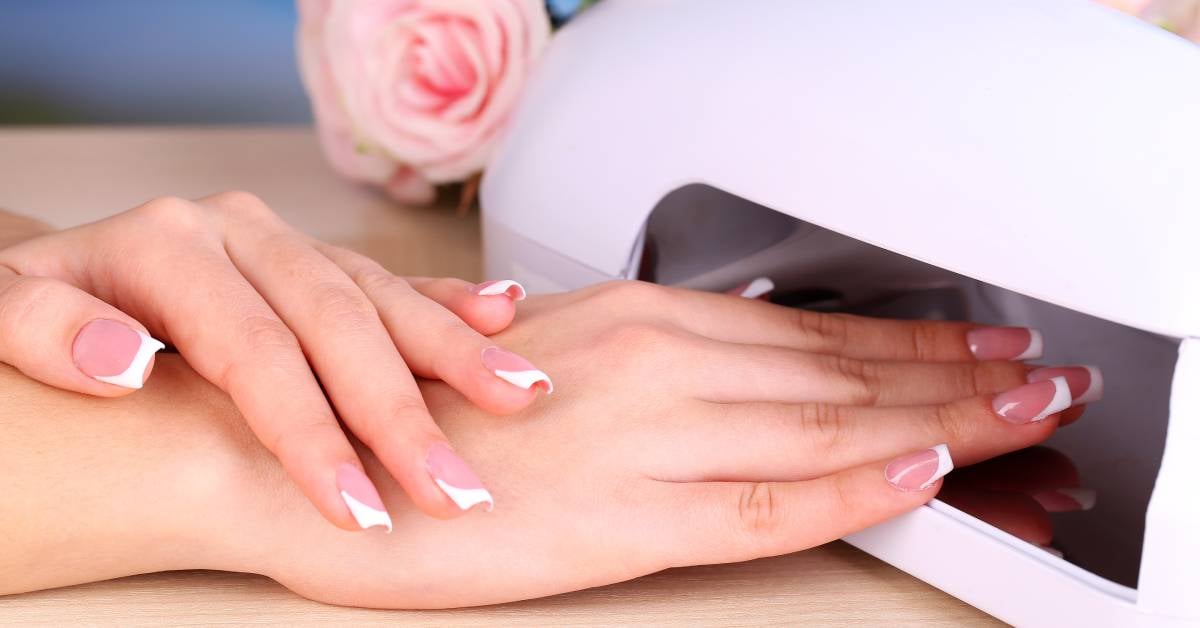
point(132, 376)
point(466, 498)
point(366, 516)
point(1085, 496)
point(757, 288)
point(1095, 389)
point(1060, 402)
point(526, 379)
point(945, 465)
point(1036, 345)
point(501, 287)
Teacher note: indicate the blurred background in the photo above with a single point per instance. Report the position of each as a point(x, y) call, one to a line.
point(149, 62)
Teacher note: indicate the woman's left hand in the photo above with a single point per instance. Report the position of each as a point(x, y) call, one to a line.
point(278, 321)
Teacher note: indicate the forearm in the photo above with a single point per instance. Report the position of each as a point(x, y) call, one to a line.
point(99, 488)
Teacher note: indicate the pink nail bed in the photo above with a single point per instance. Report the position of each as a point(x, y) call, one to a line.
point(508, 287)
point(454, 476)
point(113, 352)
point(918, 471)
point(361, 498)
point(1085, 382)
point(1005, 343)
point(1033, 402)
point(759, 288)
point(515, 369)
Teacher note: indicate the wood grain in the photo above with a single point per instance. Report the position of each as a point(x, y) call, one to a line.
point(67, 176)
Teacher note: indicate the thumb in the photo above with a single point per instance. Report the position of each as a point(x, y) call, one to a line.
point(62, 336)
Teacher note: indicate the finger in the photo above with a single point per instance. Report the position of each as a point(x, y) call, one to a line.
point(717, 522)
point(1017, 514)
point(345, 342)
point(438, 344)
point(753, 321)
point(487, 307)
point(782, 374)
point(801, 441)
point(62, 336)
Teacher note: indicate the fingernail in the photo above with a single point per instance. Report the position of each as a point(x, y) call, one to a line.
point(1066, 499)
point(918, 471)
point(514, 290)
point(1033, 402)
point(759, 287)
point(114, 353)
point(515, 369)
point(1086, 382)
point(1005, 343)
point(455, 478)
point(361, 498)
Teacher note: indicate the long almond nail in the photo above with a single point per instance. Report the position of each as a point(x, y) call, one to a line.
point(918, 471)
point(1066, 499)
point(1033, 402)
point(756, 289)
point(512, 289)
point(114, 353)
point(515, 369)
point(1005, 343)
point(452, 474)
point(1086, 382)
point(361, 498)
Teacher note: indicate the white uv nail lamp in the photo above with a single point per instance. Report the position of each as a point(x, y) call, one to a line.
point(1025, 162)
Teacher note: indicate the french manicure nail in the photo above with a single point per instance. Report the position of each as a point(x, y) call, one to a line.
point(113, 352)
point(1005, 343)
point(1086, 382)
point(361, 498)
point(757, 288)
point(1066, 499)
point(515, 369)
point(1033, 402)
point(452, 474)
point(918, 471)
point(514, 290)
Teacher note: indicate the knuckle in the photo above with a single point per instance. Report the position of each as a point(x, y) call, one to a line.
point(374, 279)
point(262, 331)
point(240, 201)
point(630, 292)
point(860, 378)
point(342, 306)
point(757, 512)
point(824, 425)
point(172, 214)
point(950, 423)
point(830, 330)
point(924, 337)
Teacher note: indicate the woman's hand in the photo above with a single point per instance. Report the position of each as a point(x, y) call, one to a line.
point(281, 323)
point(687, 428)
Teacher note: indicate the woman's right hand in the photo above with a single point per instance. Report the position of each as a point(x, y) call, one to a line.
point(686, 428)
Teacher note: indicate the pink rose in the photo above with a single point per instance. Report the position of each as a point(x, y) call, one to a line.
point(412, 93)
point(1179, 16)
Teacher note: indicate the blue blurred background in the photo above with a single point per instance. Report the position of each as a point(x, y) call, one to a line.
point(149, 62)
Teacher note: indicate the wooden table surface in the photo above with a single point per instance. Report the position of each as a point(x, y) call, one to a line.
point(67, 176)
